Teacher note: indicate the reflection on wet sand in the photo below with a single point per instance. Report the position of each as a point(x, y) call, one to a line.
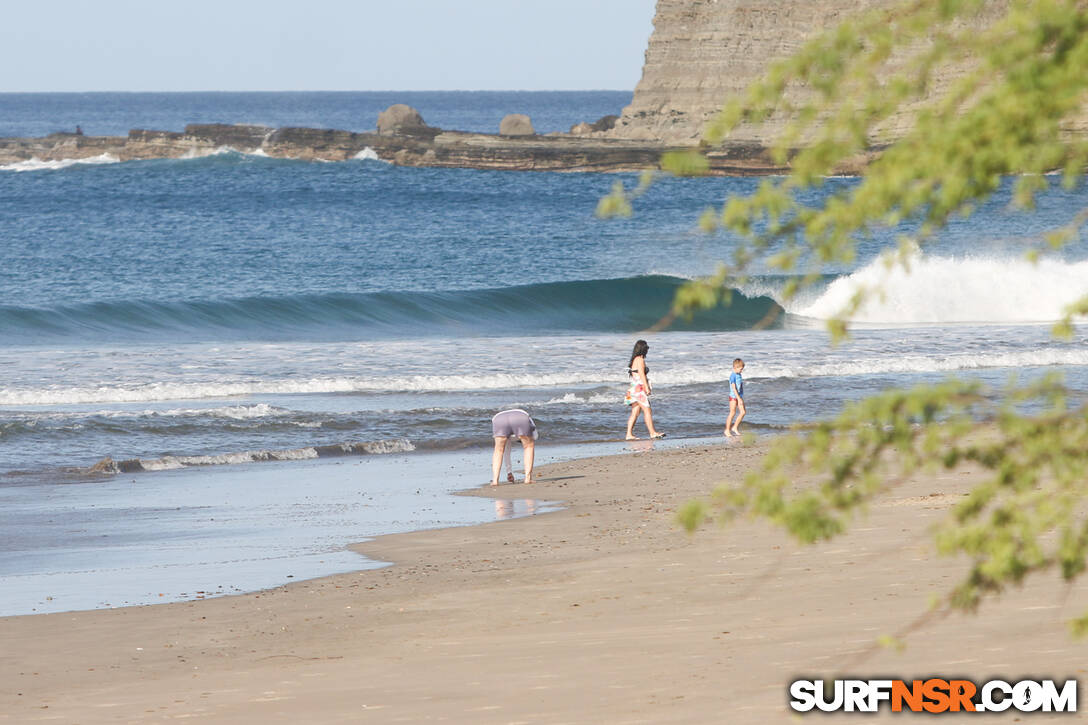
point(508, 509)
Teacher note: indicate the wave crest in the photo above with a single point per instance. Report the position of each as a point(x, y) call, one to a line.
point(938, 290)
point(610, 305)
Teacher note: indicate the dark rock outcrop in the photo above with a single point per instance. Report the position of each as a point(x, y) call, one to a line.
point(235, 136)
point(605, 123)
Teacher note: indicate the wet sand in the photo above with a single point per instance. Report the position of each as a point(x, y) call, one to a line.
point(602, 612)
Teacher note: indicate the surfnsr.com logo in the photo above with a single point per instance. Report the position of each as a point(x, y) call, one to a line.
point(933, 695)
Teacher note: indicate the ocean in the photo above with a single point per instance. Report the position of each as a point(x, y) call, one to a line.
point(232, 320)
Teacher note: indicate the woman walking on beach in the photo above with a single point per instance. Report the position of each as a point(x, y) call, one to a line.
point(638, 394)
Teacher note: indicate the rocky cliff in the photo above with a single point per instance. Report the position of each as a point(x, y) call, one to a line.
point(702, 51)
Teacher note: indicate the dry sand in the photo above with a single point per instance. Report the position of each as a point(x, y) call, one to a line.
point(604, 612)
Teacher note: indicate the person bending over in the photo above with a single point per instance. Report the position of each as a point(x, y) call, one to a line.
point(509, 423)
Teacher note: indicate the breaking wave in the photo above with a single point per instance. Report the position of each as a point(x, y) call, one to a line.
point(937, 290)
point(612, 305)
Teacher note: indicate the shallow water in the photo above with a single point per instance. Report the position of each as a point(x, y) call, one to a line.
point(196, 534)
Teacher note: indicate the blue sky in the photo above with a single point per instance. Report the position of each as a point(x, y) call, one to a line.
point(124, 45)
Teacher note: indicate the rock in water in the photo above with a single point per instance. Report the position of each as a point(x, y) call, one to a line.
point(581, 129)
point(398, 119)
point(516, 124)
point(106, 465)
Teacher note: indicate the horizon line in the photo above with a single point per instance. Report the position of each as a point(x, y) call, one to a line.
point(377, 90)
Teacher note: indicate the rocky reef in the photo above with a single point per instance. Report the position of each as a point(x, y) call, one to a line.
point(403, 139)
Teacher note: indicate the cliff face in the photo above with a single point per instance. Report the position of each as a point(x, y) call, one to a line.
point(703, 51)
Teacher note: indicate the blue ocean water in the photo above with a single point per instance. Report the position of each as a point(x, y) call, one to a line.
point(206, 313)
point(114, 114)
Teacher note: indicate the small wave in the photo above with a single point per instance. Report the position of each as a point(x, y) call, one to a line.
point(368, 154)
point(230, 412)
point(590, 399)
point(221, 151)
point(878, 366)
point(939, 290)
point(676, 376)
point(236, 412)
point(36, 164)
point(921, 364)
point(197, 391)
point(167, 463)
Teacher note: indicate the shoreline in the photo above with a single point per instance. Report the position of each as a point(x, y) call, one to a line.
point(601, 611)
point(247, 528)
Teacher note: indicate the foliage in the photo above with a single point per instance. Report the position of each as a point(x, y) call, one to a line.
point(1018, 80)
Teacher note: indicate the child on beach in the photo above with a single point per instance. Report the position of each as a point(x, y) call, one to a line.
point(736, 399)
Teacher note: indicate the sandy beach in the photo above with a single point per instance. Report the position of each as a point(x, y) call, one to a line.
point(604, 611)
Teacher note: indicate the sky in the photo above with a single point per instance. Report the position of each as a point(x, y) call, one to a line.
point(244, 45)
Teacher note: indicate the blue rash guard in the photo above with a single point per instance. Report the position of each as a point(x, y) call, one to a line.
point(737, 379)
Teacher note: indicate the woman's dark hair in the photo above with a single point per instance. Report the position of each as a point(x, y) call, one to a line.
point(641, 348)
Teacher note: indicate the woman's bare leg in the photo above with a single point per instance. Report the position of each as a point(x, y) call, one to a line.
point(649, 416)
point(496, 459)
point(509, 463)
point(635, 408)
point(528, 446)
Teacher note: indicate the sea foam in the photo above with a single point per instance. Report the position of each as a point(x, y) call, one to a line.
point(937, 290)
point(36, 164)
point(665, 377)
point(368, 154)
